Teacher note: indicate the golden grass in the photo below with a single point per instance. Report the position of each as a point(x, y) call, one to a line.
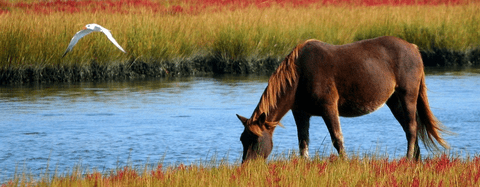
point(291, 170)
point(40, 39)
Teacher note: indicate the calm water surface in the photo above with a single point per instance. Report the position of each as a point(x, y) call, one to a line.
point(189, 120)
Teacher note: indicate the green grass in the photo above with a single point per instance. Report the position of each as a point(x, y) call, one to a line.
point(250, 32)
point(32, 40)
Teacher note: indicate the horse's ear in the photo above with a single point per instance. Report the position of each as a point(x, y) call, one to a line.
point(262, 118)
point(242, 119)
point(255, 129)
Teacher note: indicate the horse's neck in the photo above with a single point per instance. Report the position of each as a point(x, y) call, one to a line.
point(276, 108)
point(279, 95)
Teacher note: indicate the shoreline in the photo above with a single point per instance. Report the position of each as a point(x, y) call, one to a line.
point(194, 66)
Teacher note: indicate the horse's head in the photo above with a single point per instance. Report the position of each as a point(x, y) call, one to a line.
point(257, 137)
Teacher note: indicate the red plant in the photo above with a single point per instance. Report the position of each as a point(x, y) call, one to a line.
point(477, 176)
point(440, 164)
point(181, 167)
point(272, 177)
point(94, 177)
point(126, 173)
point(393, 181)
point(158, 174)
point(110, 6)
point(10, 183)
point(295, 3)
point(332, 158)
point(176, 9)
point(194, 6)
point(322, 168)
point(415, 182)
point(4, 7)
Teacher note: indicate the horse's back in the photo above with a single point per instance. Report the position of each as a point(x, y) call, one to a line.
point(387, 48)
point(358, 77)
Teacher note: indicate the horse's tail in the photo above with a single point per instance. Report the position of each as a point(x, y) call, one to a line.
point(429, 127)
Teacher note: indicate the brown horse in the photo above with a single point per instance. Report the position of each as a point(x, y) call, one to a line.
point(349, 80)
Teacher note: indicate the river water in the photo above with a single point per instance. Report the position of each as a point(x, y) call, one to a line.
point(188, 120)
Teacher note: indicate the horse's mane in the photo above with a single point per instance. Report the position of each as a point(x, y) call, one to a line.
point(284, 76)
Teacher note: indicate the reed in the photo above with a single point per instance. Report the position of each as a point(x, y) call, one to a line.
point(36, 35)
point(289, 170)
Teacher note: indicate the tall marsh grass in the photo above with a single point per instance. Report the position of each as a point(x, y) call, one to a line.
point(289, 170)
point(181, 31)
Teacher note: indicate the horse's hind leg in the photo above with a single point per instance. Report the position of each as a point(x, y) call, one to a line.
point(406, 118)
point(302, 120)
point(332, 121)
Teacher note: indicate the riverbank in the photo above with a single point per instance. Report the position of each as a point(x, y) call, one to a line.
point(216, 37)
point(207, 65)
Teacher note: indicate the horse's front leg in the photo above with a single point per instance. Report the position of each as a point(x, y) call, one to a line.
point(302, 120)
point(332, 120)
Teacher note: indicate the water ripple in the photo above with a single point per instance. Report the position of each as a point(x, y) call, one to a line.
point(184, 120)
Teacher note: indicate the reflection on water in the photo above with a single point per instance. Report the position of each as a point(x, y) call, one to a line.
point(105, 125)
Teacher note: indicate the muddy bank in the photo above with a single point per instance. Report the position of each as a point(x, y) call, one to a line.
point(201, 65)
point(445, 57)
point(133, 69)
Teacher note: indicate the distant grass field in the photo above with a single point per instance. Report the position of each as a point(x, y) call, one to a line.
point(290, 170)
point(34, 35)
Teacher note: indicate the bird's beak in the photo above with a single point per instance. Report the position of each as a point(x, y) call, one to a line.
point(84, 28)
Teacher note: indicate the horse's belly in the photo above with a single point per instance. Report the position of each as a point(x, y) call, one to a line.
point(352, 109)
point(364, 97)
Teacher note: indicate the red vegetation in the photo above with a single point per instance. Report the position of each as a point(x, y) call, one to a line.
point(441, 164)
point(158, 174)
point(438, 171)
point(194, 6)
point(85, 6)
point(296, 3)
point(126, 173)
point(4, 7)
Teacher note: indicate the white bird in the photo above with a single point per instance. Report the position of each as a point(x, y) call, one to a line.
point(87, 30)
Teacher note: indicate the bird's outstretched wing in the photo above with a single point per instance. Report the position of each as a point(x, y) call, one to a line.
point(78, 36)
point(110, 37)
